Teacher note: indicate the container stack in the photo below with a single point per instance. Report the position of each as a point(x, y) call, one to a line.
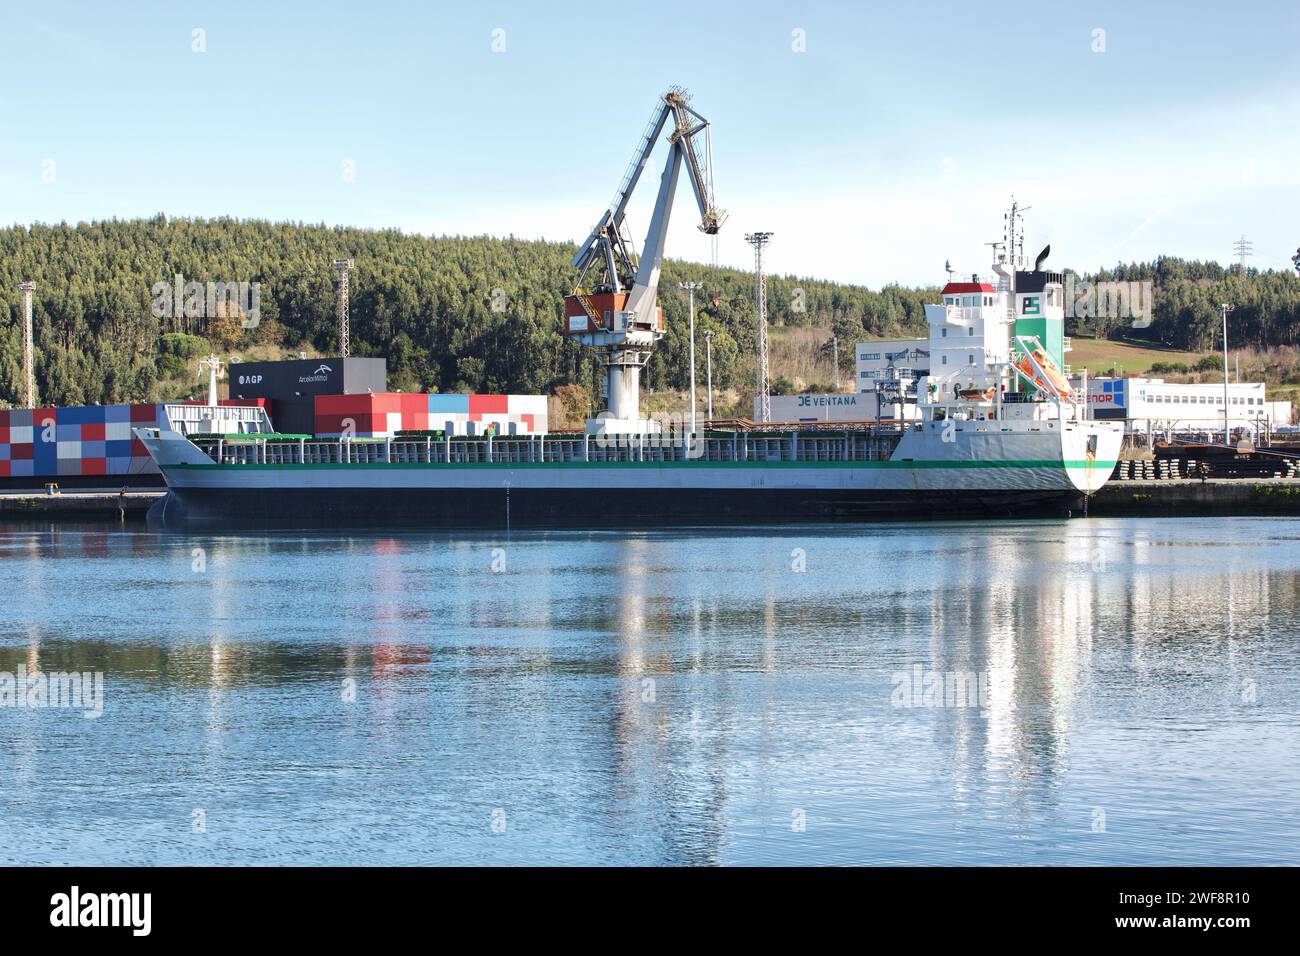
point(384, 415)
point(88, 440)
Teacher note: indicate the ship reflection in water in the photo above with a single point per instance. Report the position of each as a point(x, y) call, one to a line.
point(1084, 692)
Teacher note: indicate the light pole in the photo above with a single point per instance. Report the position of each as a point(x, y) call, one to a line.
point(708, 369)
point(29, 375)
point(689, 288)
point(1226, 309)
point(833, 343)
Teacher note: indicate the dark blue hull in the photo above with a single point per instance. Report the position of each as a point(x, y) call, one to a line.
point(496, 508)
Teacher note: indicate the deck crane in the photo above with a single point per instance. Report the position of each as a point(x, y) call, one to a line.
point(620, 315)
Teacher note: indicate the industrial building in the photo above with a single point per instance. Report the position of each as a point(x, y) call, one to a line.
point(1152, 405)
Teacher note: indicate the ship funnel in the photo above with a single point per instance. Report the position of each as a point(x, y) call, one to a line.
point(1038, 263)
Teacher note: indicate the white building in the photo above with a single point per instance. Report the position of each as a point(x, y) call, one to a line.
point(1154, 405)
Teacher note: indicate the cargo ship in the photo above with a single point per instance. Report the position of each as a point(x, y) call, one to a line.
point(990, 428)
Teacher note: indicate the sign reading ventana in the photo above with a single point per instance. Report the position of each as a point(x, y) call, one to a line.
point(820, 408)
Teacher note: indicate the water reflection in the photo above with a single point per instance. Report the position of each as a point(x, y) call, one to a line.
point(667, 698)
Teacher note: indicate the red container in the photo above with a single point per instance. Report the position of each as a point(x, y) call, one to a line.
point(344, 404)
point(20, 452)
point(41, 415)
point(488, 405)
point(94, 466)
point(4, 469)
point(92, 432)
point(390, 402)
point(4, 418)
point(137, 448)
point(332, 424)
point(144, 414)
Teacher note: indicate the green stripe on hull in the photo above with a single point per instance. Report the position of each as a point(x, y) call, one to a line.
point(1008, 463)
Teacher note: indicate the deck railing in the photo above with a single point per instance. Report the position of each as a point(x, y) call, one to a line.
point(548, 449)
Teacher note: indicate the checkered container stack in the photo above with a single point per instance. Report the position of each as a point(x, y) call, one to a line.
point(85, 440)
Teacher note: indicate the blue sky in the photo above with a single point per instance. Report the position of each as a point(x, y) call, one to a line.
point(891, 143)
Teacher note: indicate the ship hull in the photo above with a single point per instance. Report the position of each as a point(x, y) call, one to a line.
point(499, 508)
point(932, 472)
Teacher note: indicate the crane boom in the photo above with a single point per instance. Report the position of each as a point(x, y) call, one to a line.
point(621, 316)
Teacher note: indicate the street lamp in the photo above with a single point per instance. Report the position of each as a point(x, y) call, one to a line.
point(1226, 309)
point(708, 369)
point(689, 288)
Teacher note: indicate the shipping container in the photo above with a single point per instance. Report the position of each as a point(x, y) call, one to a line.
point(299, 378)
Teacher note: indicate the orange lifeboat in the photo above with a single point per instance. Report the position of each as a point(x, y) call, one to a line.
point(1050, 380)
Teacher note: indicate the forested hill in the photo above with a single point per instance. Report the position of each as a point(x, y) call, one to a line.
point(1266, 305)
point(480, 313)
point(429, 305)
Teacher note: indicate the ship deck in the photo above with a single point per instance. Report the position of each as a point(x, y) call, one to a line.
point(875, 444)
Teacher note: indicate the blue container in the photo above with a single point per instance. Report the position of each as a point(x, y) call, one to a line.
point(117, 413)
point(81, 415)
point(67, 431)
point(117, 449)
point(45, 457)
point(449, 404)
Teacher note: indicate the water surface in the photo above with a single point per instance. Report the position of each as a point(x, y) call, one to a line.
point(736, 697)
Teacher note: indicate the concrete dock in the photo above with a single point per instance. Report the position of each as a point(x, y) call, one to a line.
point(130, 505)
point(1193, 497)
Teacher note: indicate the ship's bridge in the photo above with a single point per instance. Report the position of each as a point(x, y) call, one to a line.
point(969, 332)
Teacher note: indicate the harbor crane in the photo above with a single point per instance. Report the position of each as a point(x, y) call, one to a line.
point(613, 307)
